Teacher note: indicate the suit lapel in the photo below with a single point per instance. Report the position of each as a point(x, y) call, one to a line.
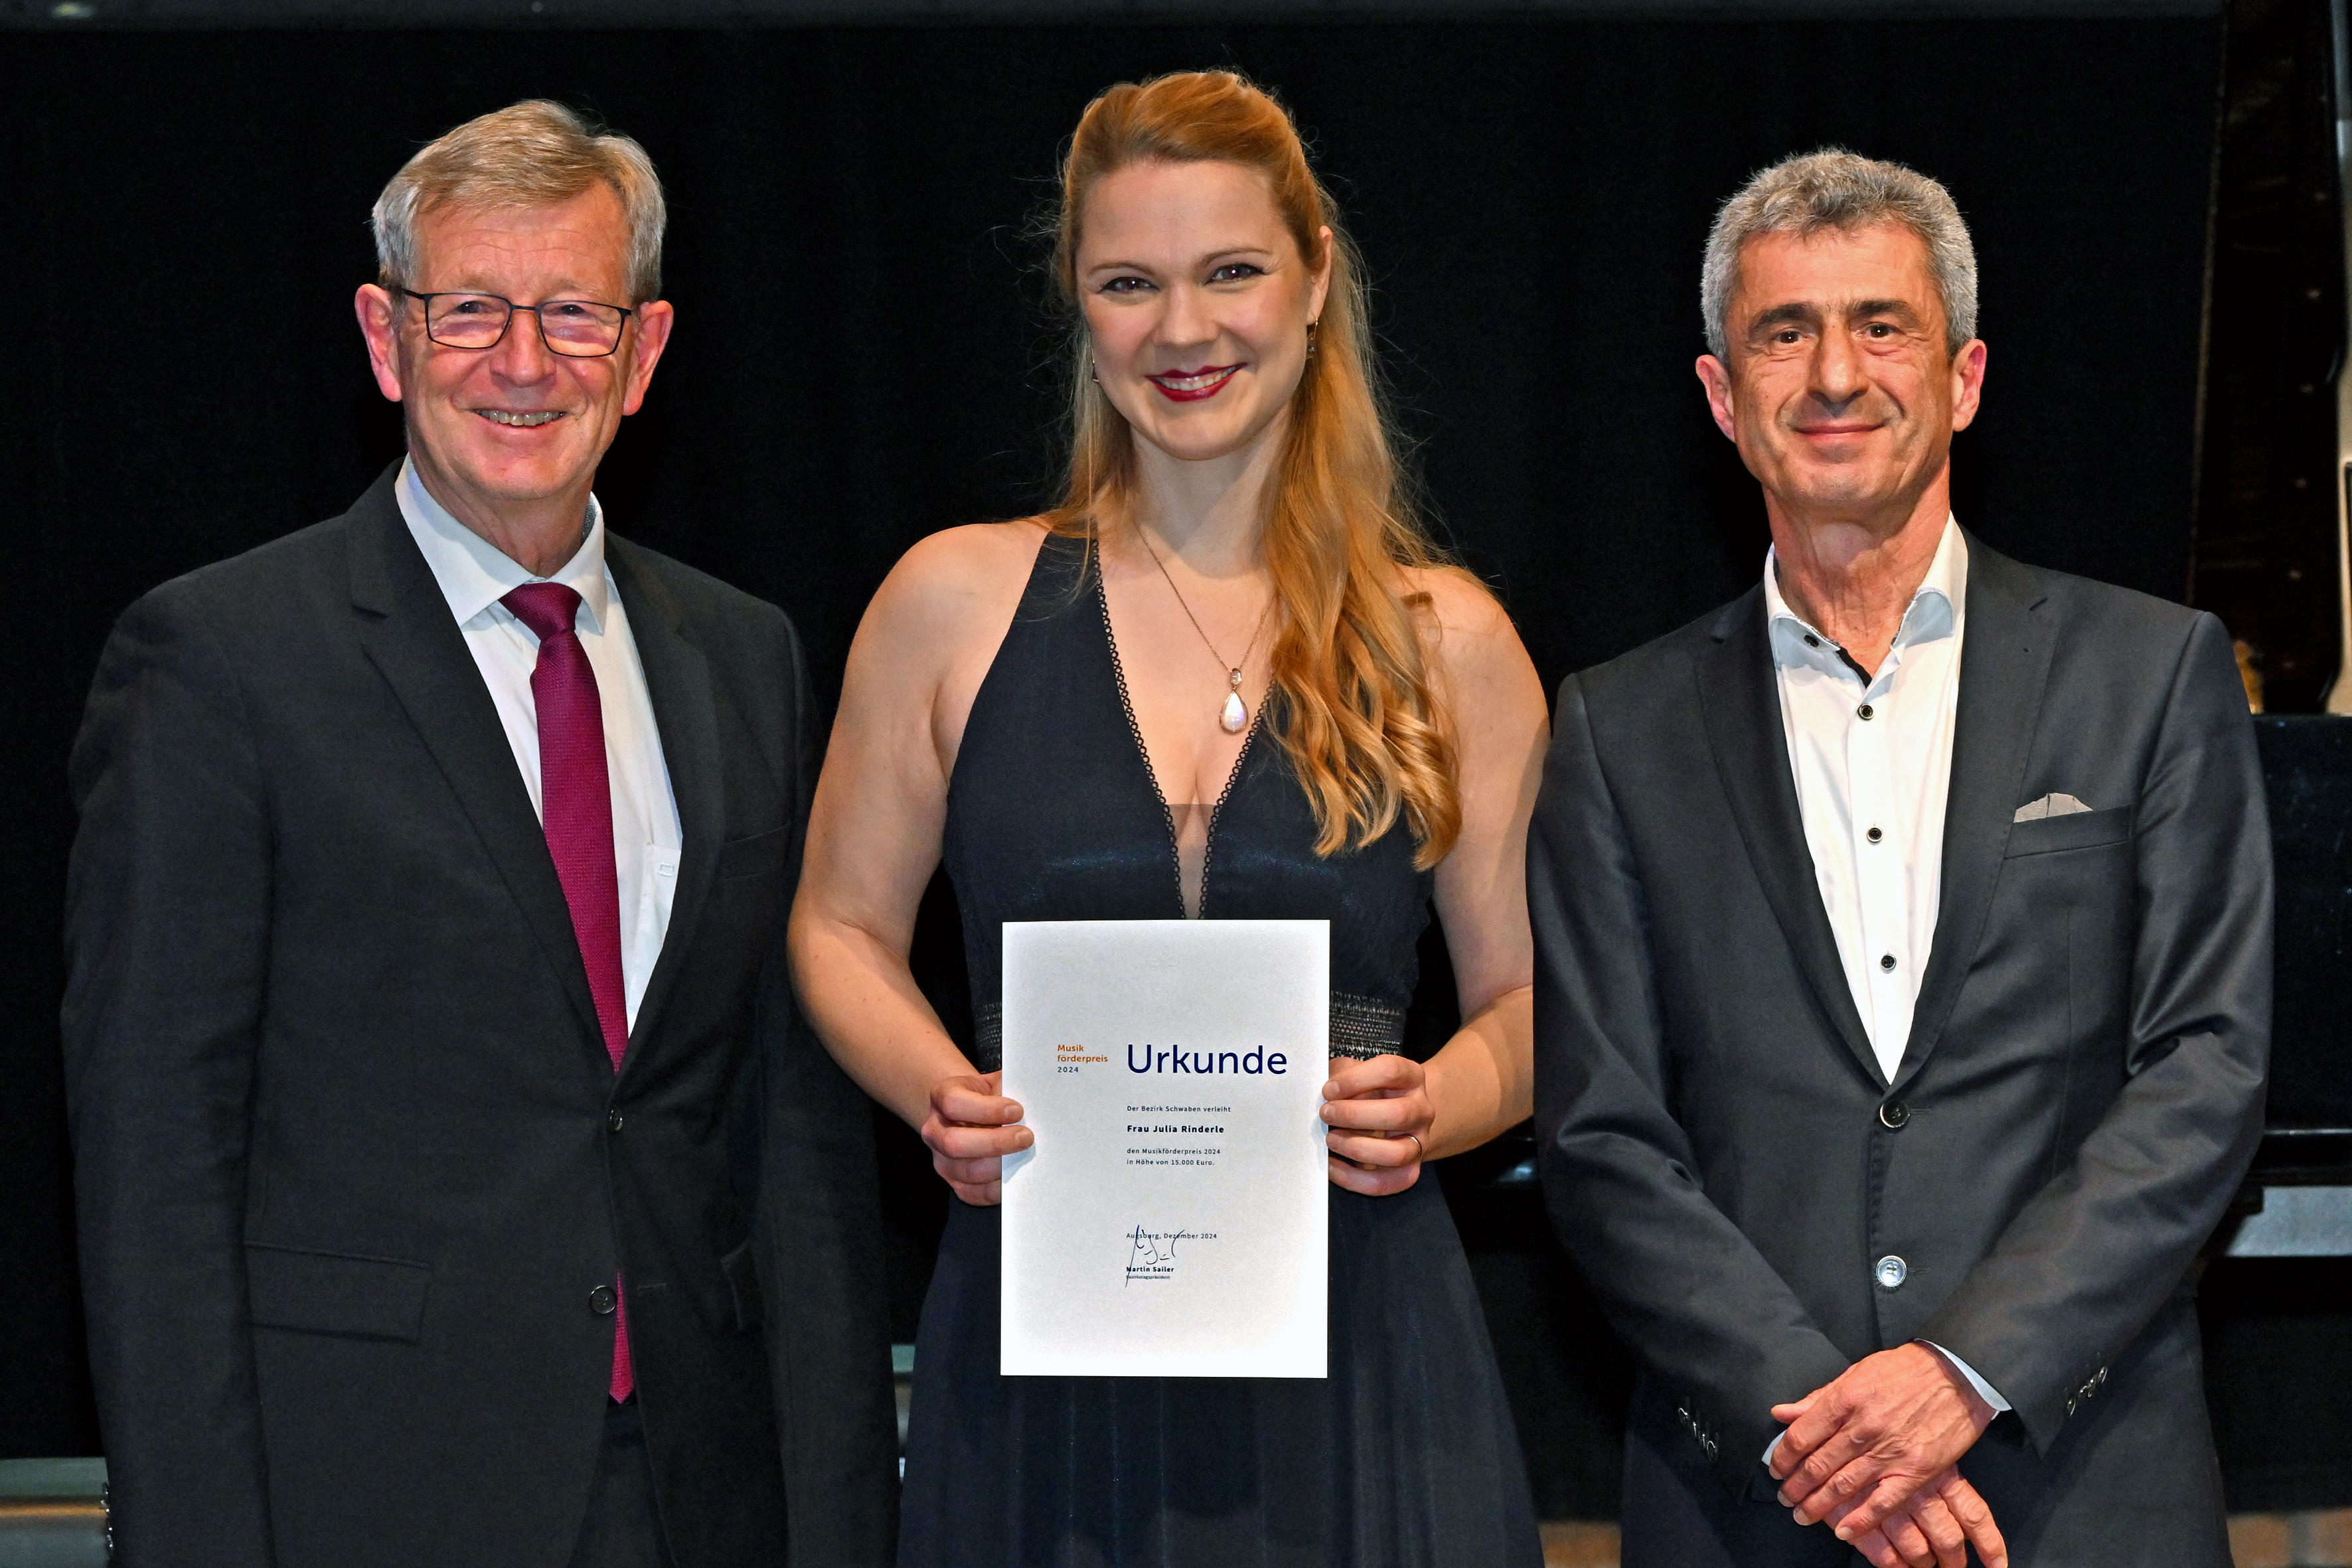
point(408, 634)
point(2004, 668)
point(1742, 710)
point(678, 682)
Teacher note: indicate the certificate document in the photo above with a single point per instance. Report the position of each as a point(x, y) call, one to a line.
point(1171, 1219)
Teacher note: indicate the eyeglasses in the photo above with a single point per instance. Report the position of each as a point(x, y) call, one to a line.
point(576, 329)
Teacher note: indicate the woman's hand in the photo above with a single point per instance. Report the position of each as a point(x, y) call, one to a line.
point(1380, 1113)
point(970, 1130)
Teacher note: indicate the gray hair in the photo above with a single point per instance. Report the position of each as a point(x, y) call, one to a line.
point(1837, 189)
point(533, 154)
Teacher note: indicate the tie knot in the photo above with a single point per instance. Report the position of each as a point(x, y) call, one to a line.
point(546, 608)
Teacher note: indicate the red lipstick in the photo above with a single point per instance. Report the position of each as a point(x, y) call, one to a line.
point(1192, 385)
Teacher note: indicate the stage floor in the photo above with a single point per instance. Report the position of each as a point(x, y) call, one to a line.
point(2256, 1540)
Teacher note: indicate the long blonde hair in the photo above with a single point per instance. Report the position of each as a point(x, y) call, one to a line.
point(1360, 719)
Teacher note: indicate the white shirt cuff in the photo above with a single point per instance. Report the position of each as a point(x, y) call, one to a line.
point(1984, 1391)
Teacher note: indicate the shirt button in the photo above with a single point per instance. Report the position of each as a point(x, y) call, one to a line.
point(1865, 711)
point(1891, 1114)
point(603, 1299)
point(1873, 835)
point(614, 1121)
point(1812, 641)
point(1890, 1272)
point(1887, 961)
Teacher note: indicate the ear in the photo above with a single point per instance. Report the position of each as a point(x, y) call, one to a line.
point(654, 320)
point(1322, 276)
point(379, 315)
point(1968, 383)
point(1716, 376)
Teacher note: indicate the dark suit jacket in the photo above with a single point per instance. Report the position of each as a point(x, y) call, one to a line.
point(2083, 1086)
point(350, 1153)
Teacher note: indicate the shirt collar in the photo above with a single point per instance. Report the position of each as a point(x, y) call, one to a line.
point(474, 574)
point(1934, 612)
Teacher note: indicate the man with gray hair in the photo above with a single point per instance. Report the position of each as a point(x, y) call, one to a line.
point(1903, 993)
point(457, 1182)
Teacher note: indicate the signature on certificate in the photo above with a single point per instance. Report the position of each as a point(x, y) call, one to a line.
point(1151, 1254)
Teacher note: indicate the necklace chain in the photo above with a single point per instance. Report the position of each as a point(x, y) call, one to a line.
point(1233, 671)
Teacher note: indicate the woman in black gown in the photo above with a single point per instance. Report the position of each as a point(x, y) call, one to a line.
point(1051, 706)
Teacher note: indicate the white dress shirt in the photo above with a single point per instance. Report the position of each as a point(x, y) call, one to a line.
point(1872, 757)
point(474, 576)
point(1872, 760)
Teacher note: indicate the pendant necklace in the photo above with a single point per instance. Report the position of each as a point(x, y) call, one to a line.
point(1233, 716)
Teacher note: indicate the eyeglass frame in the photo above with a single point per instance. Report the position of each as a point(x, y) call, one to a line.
point(514, 310)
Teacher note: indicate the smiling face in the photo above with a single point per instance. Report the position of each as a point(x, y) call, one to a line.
point(1841, 391)
point(1197, 303)
point(514, 429)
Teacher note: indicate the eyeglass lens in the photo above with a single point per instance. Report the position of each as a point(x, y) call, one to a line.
point(576, 326)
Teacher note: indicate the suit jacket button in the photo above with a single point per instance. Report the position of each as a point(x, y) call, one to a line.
point(614, 1121)
point(1894, 1113)
point(602, 1300)
point(1890, 1272)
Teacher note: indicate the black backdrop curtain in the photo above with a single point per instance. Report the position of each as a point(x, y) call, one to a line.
point(865, 352)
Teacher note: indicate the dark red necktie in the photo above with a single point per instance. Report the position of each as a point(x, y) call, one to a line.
point(575, 806)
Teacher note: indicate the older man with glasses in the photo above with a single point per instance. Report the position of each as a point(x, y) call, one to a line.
point(457, 1184)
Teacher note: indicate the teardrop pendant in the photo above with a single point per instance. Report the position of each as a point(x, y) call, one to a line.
point(1234, 717)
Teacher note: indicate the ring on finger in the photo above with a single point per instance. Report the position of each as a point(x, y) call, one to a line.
point(1416, 1147)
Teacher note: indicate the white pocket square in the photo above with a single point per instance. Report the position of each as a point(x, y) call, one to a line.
point(2050, 805)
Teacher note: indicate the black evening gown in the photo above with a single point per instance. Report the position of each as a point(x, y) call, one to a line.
point(1405, 1454)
